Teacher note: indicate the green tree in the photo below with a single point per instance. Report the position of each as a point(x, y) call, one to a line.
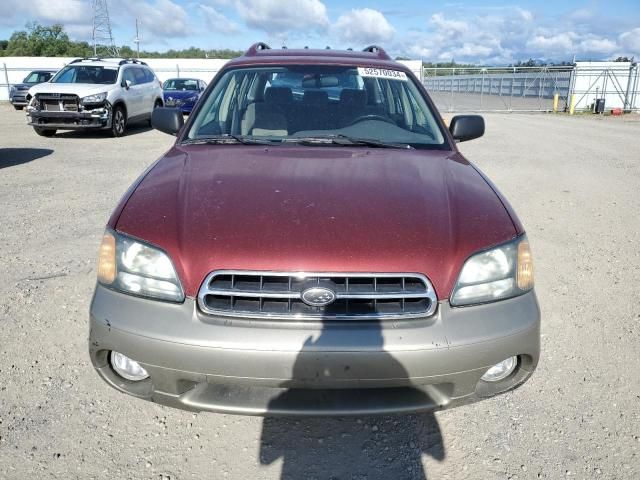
point(52, 41)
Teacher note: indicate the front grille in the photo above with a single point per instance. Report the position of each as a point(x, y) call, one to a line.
point(358, 296)
point(58, 102)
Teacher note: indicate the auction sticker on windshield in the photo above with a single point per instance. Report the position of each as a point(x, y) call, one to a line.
point(382, 73)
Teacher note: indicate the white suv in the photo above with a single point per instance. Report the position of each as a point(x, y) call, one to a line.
point(94, 93)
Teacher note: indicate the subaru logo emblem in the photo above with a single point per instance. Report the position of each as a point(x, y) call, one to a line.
point(318, 296)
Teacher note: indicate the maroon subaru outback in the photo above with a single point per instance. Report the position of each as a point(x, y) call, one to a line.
point(314, 244)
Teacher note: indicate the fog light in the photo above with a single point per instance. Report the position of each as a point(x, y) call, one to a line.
point(127, 368)
point(501, 370)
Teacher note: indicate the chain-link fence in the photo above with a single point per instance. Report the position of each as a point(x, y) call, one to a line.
point(585, 86)
point(498, 88)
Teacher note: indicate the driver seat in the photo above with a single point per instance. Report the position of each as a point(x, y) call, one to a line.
point(353, 104)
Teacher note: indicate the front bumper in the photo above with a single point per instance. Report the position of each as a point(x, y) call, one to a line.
point(19, 99)
point(205, 363)
point(97, 118)
point(185, 107)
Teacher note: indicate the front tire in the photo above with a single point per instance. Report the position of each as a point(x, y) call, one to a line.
point(45, 132)
point(118, 121)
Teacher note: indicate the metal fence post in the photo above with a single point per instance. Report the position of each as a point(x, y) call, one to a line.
point(626, 95)
point(6, 79)
point(513, 81)
point(481, 87)
point(453, 72)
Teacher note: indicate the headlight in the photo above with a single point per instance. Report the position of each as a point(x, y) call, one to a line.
point(97, 98)
point(502, 272)
point(134, 267)
point(11, 90)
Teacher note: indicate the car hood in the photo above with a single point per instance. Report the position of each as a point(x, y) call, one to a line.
point(24, 86)
point(80, 89)
point(322, 209)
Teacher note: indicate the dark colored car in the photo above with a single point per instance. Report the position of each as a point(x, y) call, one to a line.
point(314, 254)
point(18, 94)
point(182, 93)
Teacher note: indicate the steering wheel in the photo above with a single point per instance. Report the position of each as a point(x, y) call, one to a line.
point(372, 116)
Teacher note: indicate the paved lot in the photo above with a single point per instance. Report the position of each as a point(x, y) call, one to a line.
point(575, 183)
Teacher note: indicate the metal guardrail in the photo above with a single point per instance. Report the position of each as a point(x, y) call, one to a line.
point(499, 88)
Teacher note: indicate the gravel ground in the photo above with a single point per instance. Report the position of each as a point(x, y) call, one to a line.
point(574, 183)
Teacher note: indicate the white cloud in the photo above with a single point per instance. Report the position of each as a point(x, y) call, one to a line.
point(449, 27)
point(525, 15)
point(282, 16)
point(363, 26)
point(516, 34)
point(61, 11)
point(594, 44)
point(67, 12)
point(561, 42)
point(630, 42)
point(215, 21)
point(161, 19)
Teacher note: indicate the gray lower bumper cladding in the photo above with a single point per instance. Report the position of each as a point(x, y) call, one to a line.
point(200, 362)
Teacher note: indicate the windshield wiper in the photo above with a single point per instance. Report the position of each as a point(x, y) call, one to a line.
point(341, 139)
point(226, 139)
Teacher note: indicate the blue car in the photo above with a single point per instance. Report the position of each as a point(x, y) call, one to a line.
point(182, 93)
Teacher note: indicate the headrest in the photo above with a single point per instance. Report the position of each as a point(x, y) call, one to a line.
point(278, 95)
point(315, 97)
point(353, 98)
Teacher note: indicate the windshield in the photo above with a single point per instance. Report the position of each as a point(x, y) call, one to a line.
point(86, 74)
point(307, 102)
point(180, 84)
point(38, 77)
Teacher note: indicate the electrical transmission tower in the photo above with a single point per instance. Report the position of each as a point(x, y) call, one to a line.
point(103, 45)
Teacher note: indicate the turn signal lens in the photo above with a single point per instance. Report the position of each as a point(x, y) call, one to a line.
point(132, 266)
point(107, 259)
point(502, 272)
point(525, 266)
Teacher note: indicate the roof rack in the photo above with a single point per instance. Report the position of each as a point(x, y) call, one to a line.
point(379, 50)
point(78, 60)
point(258, 47)
point(131, 60)
point(255, 48)
point(121, 61)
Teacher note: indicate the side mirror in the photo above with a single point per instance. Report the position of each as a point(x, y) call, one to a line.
point(127, 84)
point(167, 120)
point(466, 127)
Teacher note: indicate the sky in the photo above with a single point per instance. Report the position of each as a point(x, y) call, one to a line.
point(481, 32)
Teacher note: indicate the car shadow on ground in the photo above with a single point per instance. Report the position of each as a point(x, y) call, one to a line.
point(367, 447)
point(381, 447)
point(10, 157)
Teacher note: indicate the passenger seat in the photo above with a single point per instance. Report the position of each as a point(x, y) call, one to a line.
point(268, 117)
